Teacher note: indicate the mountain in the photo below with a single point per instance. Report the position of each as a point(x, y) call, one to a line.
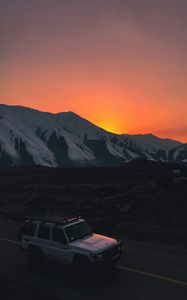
point(28, 136)
point(179, 154)
point(150, 140)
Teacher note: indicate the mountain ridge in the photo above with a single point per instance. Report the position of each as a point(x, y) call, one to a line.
point(29, 136)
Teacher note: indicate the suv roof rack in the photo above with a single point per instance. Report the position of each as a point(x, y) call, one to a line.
point(53, 219)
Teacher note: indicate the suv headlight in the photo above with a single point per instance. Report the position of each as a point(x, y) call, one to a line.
point(120, 245)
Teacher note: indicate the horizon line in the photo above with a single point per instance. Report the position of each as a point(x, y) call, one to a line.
point(70, 111)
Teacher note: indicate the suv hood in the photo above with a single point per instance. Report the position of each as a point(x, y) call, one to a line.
point(94, 243)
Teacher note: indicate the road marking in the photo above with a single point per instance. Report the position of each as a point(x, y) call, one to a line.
point(9, 241)
point(152, 275)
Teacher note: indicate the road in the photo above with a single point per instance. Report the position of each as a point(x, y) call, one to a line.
point(145, 272)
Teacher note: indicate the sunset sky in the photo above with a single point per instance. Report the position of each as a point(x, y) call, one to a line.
point(122, 64)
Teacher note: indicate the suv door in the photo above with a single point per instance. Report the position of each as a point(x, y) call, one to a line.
point(26, 235)
point(44, 240)
point(61, 252)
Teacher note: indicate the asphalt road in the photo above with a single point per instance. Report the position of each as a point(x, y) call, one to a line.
point(145, 272)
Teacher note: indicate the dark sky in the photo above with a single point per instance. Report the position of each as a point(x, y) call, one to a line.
point(121, 64)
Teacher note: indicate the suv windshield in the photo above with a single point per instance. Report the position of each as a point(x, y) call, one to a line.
point(78, 231)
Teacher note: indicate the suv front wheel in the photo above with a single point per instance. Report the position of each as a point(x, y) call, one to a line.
point(81, 263)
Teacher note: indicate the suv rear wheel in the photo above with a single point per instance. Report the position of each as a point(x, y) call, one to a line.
point(35, 257)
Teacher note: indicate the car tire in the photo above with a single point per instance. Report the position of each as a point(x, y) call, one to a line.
point(35, 258)
point(81, 264)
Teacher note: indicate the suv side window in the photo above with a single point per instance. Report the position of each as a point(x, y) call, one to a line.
point(44, 232)
point(31, 229)
point(28, 229)
point(58, 235)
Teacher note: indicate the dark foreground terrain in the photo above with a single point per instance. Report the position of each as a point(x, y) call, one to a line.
point(142, 200)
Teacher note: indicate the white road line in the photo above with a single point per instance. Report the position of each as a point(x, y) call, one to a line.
point(9, 241)
point(125, 269)
point(172, 280)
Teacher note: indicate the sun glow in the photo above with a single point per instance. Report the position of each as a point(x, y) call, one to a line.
point(109, 126)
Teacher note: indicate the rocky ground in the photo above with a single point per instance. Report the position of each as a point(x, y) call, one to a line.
point(145, 202)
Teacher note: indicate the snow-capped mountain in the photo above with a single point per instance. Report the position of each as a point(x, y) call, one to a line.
point(179, 154)
point(28, 136)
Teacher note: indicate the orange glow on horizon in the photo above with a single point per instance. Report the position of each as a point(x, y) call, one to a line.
point(119, 64)
point(110, 126)
point(113, 122)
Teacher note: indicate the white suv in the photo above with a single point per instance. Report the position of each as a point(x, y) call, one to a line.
point(68, 241)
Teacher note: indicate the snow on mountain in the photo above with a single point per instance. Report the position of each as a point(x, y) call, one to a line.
point(28, 136)
point(150, 141)
point(80, 127)
point(180, 153)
